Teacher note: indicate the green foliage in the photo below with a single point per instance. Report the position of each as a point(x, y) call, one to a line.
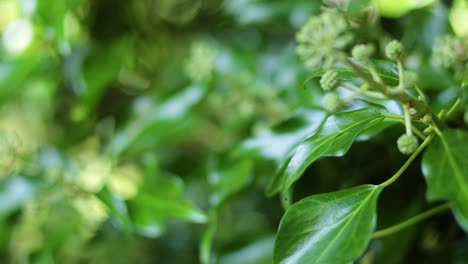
point(334, 138)
point(254, 131)
point(445, 167)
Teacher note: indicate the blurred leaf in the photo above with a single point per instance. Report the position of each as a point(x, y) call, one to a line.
point(227, 181)
point(118, 209)
point(458, 17)
point(257, 252)
point(276, 143)
point(158, 123)
point(397, 8)
point(14, 72)
point(13, 193)
point(100, 69)
point(177, 11)
point(160, 199)
point(424, 27)
point(445, 168)
point(334, 138)
point(328, 228)
point(53, 14)
point(260, 12)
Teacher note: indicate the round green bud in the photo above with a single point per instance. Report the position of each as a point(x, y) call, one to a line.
point(410, 79)
point(329, 80)
point(427, 119)
point(332, 103)
point(407, 144)
point(362, 52)
point(394, 50)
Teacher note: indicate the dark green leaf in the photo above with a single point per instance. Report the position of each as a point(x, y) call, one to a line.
point(445, 168)
point(334, 139)
point(328, 228)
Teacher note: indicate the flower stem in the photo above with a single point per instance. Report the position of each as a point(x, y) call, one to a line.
point(409, 222)
point(408, 162)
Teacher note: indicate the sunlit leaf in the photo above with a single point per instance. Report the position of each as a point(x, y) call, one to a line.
point(328, 228)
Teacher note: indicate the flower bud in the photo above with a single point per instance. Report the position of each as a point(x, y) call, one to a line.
point(407, 144)
point(394, 50)
point(362, 52)
point(332, 103)
point(329, 80)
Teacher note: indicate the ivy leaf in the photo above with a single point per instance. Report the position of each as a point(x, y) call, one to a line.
point(445, 168)
point(333, 139)
point(328, 228)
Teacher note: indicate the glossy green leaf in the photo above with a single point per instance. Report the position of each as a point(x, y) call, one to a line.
point(328, 228)
point(445, 168)
point(333, 139)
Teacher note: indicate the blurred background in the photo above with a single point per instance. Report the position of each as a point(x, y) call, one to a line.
point(146, 131)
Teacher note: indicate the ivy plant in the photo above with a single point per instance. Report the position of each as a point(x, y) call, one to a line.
point(337, 227)
point(222, 132)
